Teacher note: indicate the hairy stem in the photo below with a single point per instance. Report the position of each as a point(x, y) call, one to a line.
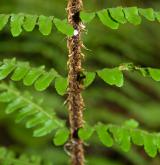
point(75, 100)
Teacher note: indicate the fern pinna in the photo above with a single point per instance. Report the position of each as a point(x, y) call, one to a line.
point(30, 110)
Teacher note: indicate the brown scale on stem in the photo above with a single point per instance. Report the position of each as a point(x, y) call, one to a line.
point(75, 87)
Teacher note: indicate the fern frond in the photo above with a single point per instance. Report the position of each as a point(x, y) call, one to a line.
point(28, 22)
point(113, 17)
point(27, 109)
point(110, 17)
point(114, 76)
point(41, 79)
point(123, 136)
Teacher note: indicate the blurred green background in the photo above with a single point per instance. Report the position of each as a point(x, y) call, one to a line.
point(138, 99)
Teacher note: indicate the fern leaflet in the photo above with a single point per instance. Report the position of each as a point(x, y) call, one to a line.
point(123, 136)
point(28, 110)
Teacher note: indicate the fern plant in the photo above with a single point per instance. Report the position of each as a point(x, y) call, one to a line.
point(43, 122)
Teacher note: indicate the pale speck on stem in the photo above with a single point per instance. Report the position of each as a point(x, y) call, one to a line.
point(75, 32)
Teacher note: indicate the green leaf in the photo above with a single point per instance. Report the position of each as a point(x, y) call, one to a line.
point(136, 136)
point(125, 143)
point(48, 127)
point(157, 140)
point(148, 14)
point(63, 27)
point(61, 85)
point(112, 76)
point(38, 119)
point(154, 73)
point(16, 24)
point(90, 76)
point(157, 14)
point(118, 14)
point(87, 17)
point(61, 136)
point(3, 20)
point(117, 133)
point(20, 71)
point(131, 123)
point(132, 15)
point(45, 24)
point(107, 20)
point(33, 75)
point(29, 22)
point(103, 135)
point(15, 105)
point(45, 80)
point(86, 132)
point(25, 112)
point(122, 137)
point(149, 144)
point(6, 96)
point(6, 68)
